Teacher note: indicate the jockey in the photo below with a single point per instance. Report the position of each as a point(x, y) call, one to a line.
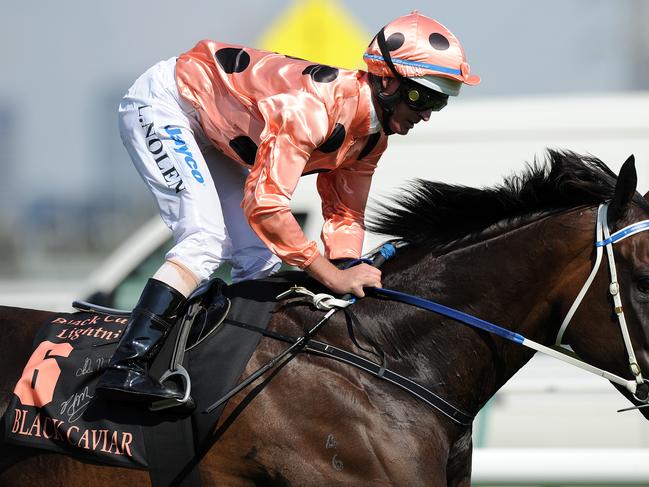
point(221, 136)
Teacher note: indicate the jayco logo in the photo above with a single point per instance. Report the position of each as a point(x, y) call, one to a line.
point(174, 133)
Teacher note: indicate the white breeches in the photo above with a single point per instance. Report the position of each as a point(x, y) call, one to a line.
point(198, 190)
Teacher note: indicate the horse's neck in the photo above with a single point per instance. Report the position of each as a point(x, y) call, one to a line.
point(513, 280)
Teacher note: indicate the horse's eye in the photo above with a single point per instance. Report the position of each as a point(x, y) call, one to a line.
point(643, 285)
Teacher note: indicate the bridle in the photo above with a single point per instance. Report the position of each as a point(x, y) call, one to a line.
point(637, 386)
point(603, 238)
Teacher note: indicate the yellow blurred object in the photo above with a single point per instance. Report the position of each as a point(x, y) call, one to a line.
point(320, 31)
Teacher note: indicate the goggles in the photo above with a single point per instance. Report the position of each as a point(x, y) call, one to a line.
point(421, 99)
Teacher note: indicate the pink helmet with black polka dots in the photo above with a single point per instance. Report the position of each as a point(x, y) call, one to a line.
point(423, 50)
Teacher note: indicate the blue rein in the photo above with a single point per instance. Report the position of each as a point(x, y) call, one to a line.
point(450, 312)
point(388, 251)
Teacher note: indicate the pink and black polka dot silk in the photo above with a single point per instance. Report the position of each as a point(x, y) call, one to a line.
point(285, 117)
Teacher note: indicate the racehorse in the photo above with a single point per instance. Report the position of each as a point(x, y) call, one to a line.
point(516, 255)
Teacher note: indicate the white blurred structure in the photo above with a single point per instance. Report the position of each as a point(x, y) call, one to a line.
point(560, 466)
point(549, 404)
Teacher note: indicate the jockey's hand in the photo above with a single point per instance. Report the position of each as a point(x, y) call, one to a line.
point(351, 280)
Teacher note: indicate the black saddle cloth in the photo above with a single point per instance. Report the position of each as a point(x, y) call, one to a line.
point(54, 405)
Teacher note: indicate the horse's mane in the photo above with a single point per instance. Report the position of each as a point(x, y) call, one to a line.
point(438, 214)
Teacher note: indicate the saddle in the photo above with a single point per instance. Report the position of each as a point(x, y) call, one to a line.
point(54, 406)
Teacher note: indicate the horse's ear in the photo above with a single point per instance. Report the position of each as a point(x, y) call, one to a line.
point(627, 181)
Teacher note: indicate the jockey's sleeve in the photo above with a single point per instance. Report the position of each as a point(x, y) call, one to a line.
point(296, 124)
point(344, 194)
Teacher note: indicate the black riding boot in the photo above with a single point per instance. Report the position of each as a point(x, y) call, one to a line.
point(159, 308)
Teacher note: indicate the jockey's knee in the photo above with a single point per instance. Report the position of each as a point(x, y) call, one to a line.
point(254, 263)
point(201, 253)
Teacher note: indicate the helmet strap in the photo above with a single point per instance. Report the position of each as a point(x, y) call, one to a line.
point(385, 52)
point(388, 102)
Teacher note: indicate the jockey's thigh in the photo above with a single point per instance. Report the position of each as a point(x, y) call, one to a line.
point(159, 132)
point(250, 257)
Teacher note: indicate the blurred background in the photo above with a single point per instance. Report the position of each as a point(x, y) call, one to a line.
point(572, 74)
point(70, 194)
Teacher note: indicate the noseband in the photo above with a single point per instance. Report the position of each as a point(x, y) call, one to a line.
point(605, 239)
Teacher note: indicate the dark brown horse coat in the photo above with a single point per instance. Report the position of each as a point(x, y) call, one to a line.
point(516, 255)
